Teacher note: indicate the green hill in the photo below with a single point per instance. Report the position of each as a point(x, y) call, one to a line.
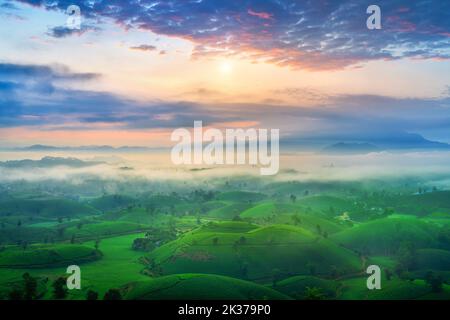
point(241, 196)
point(47, 256)
point(12, 235)
point(230, 249)
point(199, 287)
point(325, 202)
point(297, 287)
point(229, 211)
point(45, 208)
point(285, 213)
point(384, 236)
point(111, 202)
point(104, 229)
point(395, 289)
point(433, 259)
point(423, 204)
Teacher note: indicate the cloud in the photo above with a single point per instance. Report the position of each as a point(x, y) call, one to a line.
point(311, 34)
point(144, 47)
point(63, 31)
point(31, 96)
point(261, 15)
point(19, 72)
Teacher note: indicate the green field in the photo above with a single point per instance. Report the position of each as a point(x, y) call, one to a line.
point(281, 240)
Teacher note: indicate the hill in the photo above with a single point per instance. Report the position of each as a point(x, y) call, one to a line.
point(384, 236)
point(46, 207)
point(47, 256)
point(244, 251)
point(285, 213)
point(111, 202)
point(241, 196)
point(297, 287)
point(49, 162)
point(199, 287)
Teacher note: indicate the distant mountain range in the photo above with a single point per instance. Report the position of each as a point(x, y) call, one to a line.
point(48, 162)
point(354, 143)
point(104, 148)
point(351, 148)
point(344, 143)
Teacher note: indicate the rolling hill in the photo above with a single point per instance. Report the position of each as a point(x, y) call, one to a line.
point(245, 251)
point(199, 287)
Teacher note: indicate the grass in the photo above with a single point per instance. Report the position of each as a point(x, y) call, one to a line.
point(104, 229)
point(253, 254)
point(297, 286)
point(199, 287)
point(284, 213)
point(433, 259)
point(229, 211)
point(384, 236)
point(119, 265)
point(46, 208)
point(47, 256)
point(395, 289)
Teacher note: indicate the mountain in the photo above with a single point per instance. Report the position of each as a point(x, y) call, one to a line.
point(351, 148)
point(48, 162)
point(406, 140)
point(104, 148)
point(362, 142)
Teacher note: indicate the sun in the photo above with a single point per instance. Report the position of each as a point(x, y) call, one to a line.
point(226, 67)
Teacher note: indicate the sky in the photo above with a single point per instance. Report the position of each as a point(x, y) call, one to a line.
point(137, 70)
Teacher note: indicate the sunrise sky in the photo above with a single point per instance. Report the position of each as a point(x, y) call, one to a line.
point(139, 69)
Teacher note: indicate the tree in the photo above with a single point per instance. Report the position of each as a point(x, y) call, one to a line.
point(319, 229)
point(59, 288)
point(215, 241)
point(293, 198)
point(296, 219)
point(388, 274)
point(61, 231)
point(30, 285)
point(91, 295)
point(277, 275)
point(19, 223)
point(72, 239)
point(407, 255)
point(434, 281)
point(312, 269)
point(113, 294)
point(97, 244)
point(242, 240)
point(244, 270)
